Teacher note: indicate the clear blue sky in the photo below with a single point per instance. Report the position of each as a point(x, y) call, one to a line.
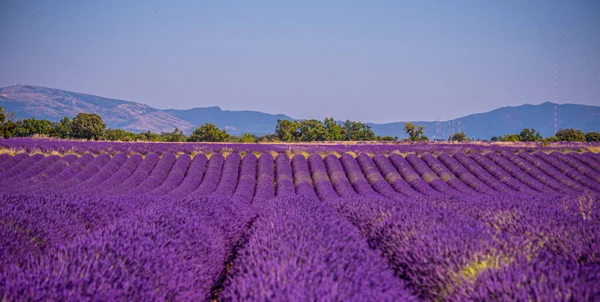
point(373, 61)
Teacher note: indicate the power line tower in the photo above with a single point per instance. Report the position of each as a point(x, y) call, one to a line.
point(438, 129)
point(555, 98)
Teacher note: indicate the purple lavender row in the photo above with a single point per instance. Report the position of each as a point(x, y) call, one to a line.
point(594, 155)
point(50, 172)
point(357, 178)
point(32, 169)
point(32, 225)
point(31, 172)
point(567, 170)
point(87, 172)
point(464, 175)
point(265, 190)
point(161, 252)
point(244, 190)
point(156, 177)
point(302, 178)
point(500, 174)
point(9, 163)
point(587, 159)
point(469, 274)
point(579, 166)
point(138, 176)
point(323, 185)
point(481, 174)
point(175, 176)
point(393, 177)
point(552, 172)
point(429, 176)
point(519, 174)
point(116, 179)
point(61, 174)
point(192, 178)
point(445, 175)
point(536, 173)
point(338, 177)
point(544, 278)
point(302, 250)
point(23, 165)
point(369, 216)
point(229, 177)
point(284, 176)
point(410, 175)
point(544, 227)
point(103, 174)
point(211, 178)
point(371, 175)
point(404, 235)
point(3, 157)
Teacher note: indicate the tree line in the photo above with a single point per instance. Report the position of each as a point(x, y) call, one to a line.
point(91, 126)
point(563, 135)
point(329, 130)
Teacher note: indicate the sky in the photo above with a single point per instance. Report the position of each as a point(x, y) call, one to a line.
point(370, 61)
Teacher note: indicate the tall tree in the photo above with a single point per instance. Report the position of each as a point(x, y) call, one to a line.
point(7, 126)
point(592, 137)
point(32, 126)
point(88, 126)
point(459, 137)
point(119, 135)
point(287, 131)
point(175, 136)
point(208, 133)
point(248, 138)
point(64, 128)
point(312, 130)
point(415, 133)
point(530, 135)
point(570, 135)
point(333, 131)
point(357, 131)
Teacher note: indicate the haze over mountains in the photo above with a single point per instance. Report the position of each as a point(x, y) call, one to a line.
point(53, 104)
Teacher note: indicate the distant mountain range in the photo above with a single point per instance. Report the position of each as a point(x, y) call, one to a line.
point(54, 104)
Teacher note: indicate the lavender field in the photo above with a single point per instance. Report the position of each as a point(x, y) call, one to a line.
point(257, 222)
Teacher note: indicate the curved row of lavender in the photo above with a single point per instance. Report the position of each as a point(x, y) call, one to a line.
point(431, 225)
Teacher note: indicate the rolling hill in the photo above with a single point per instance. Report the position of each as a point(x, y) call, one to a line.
point(53, 104)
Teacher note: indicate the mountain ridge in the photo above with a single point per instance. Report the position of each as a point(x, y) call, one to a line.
point(53, 104)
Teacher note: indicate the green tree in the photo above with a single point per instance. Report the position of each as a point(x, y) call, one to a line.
point(176, 136)
point(592, 137)
point(459, 137)
point(119, 135)
point(31, 126)
point(88, 126)
point(333, 131)
point(312, 130)
point(63, 129)
point(530, 135)
point(148, 136)
point(287, 131)
point(357, 131)
point(7, 126)
point(415, 132)
point(208, 133)
point(570, 135)
point(387, 138)
point(510, 138)
point(248, 138)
